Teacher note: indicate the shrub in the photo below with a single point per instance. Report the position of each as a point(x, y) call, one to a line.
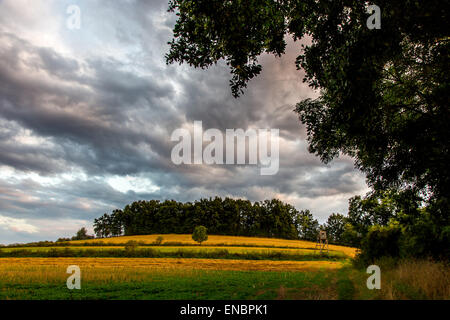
point(159, 240)
point(380, 242)
point(425, 236)
point(131, 245)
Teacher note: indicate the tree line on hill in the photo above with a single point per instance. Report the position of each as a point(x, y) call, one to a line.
point(384, 223)
point(234, 217)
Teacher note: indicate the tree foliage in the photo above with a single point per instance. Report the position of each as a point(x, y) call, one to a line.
point(269, 218)
point(307, 226)
point(200, 234)
point(335, 227)
point(82, 234)
point(383, 93)
point(397, 224)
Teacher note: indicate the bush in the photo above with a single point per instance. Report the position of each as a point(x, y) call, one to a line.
point(159, 240)
point(380, 242)
point(200, 234)
point(425, 236)
point(131, 245)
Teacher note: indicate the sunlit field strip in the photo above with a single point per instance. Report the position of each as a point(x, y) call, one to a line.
point(255, 250)
point(11, 268)
point(227, 240)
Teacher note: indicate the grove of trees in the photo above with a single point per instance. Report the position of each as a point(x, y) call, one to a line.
point(269, 218)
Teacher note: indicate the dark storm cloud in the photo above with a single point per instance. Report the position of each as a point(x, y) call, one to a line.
point(92, 115)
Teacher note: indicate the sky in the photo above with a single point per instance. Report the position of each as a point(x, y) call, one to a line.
point(86, 117)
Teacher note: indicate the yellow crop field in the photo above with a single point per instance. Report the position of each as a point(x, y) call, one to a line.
point(222, 240)
point(11, 268)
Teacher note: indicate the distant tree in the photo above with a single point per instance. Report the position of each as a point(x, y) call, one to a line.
point(98, 227)
point(377, 208)
point(200, 234)
point(307, 226)
point(159, 240)
point(247, 218)
point(335, 227)
point(82, 235)
point(350, 237)
point(116, 223)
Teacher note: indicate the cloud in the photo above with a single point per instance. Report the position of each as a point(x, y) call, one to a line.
point(16, 225)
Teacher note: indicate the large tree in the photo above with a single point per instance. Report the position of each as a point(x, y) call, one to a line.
point(383, 92)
